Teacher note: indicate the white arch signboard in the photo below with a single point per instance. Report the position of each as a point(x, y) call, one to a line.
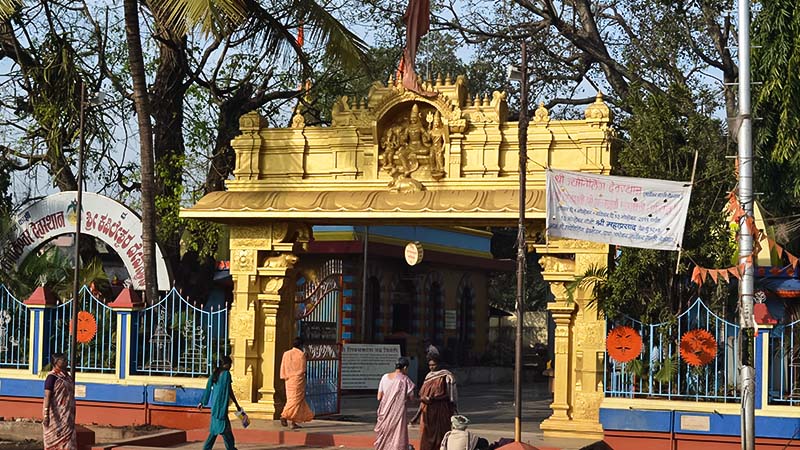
point(104, 218)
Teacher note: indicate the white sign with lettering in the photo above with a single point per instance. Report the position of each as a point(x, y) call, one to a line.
point(104, 218)
point(632, 212)
point(363, 365)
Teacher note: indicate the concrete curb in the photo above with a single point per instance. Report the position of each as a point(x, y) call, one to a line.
point(158, 440)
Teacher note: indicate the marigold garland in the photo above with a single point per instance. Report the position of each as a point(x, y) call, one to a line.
point(624, 344)
point(698, 347)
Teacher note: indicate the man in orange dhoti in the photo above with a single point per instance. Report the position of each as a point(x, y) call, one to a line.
point(293, 372)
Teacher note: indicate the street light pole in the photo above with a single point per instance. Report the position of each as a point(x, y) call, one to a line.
point(521, 262)
point(745, 139)
point(73, 340)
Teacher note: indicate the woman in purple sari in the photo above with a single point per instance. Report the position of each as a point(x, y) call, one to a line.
point(58, 410)
point(396, 388)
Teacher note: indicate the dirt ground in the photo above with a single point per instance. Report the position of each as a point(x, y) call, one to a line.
point(21, 445)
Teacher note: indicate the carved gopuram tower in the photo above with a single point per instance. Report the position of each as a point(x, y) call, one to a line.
point(394, 157)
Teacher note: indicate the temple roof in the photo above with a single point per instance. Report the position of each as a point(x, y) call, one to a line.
point(468, 206)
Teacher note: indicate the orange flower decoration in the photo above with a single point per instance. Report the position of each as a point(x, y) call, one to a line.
point(698, 347)
point(87, 327)
point(624, 344)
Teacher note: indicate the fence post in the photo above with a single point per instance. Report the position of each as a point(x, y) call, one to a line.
point(761, 360)
point(124, 305)
point(38, 303)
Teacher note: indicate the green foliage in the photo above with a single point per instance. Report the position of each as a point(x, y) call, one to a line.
point(659, 141)
point(595, 281)
point(503, 288)
point(668, 369)
point(776, 64)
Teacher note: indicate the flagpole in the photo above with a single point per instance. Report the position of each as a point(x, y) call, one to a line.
point(694, 171)
point(745, 143)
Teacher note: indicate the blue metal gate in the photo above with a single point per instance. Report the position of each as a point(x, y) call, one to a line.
point(319, 322)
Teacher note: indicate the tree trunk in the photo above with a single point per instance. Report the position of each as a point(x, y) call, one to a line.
point(223, 159)
point(142, 103)
point(169, 91)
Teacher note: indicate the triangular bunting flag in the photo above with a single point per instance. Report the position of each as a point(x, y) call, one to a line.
point(713, 273)
point(770, 243)
point(779, 251)
point(725, 274)
point(696, 276)
point(792, 259)
point(703, 273)
point(735, 272)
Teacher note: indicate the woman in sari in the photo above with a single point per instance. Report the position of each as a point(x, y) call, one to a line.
point(394, 391)
point(220, 390)
point(58, 409)
point(293, 372)
point(439, 396)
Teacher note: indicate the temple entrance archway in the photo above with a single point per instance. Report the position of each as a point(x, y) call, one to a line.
point(396, 158)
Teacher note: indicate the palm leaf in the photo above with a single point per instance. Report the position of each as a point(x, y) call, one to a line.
point(668, 370)
point(595, 278)
point(211, 17)
point(348, 48)
point(8, 8)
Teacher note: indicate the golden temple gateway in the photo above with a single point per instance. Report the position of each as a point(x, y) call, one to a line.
point(397, 158)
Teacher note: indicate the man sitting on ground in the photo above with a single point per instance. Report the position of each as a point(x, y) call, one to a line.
point(458, 438)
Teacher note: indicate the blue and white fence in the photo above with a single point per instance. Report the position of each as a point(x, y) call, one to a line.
point(171, 338)
point(660, 372)
point(176, 338)
point(99, 354)
point(14, 332)
point(784, 370)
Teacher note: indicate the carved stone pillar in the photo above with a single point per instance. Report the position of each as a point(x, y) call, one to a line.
point(562, 311)
point(579, 340)
point(261, 317)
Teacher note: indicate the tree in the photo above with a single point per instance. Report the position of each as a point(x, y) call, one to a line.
point(661, 136)
point(776, 65)
point(142, 101)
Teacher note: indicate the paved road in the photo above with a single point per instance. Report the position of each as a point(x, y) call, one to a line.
point(486, 406)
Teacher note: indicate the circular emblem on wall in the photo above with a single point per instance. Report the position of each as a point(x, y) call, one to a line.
point(624, 344)
point(698, 347)
point(87, 327)
point(413, 253)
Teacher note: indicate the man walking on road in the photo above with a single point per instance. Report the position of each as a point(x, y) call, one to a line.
point(293, 372)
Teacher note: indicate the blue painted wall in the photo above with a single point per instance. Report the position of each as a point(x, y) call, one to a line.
point(436, 236)
point(719, 424)
point(112, 393)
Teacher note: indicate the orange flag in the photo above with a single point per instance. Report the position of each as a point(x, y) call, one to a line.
point(703, 273)
point(792, 259)
point(735, 272)
point(696, 276)
point(725, 274)
point(300, 35)
point(713, 273)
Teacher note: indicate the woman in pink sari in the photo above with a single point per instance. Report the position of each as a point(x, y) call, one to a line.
point(58, 410)
point(396, 388)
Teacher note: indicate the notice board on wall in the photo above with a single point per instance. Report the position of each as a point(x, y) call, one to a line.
point(363, 365)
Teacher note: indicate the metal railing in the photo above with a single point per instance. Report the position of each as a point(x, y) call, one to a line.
point(660, 372)
point(14, 320)
point(784, 367)
point(97, 330)
point(175, 338)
